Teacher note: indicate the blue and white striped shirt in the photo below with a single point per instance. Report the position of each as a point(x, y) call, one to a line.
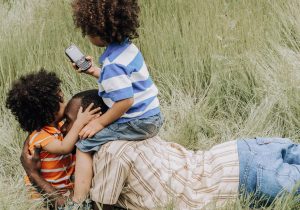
point(124, 74)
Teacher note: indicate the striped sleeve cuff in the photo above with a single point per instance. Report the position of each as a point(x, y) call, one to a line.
point(120, 94)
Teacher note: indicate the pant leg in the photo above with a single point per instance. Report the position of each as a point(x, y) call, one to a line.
point(291, 154)
point(268, 167)
point(134, 130)
point(282, 178)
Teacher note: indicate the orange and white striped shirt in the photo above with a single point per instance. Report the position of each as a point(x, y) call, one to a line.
point(154, 174)
point(55, 169)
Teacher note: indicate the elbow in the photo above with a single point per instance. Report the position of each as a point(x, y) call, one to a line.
point(130, 102)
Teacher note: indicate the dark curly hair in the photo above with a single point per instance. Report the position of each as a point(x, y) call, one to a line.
point(91, 96)
point(34, 99)
point(111, 20)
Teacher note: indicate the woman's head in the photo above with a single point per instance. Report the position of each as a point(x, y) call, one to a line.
point(36, 100)
point(106, 21)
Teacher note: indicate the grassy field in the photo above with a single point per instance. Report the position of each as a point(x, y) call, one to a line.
point(226, 69)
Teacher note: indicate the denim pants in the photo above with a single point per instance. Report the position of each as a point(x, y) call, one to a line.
point(134, 130)
point(269, 167)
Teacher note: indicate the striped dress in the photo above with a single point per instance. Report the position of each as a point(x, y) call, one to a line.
point(124, 75)
point(153, 174)
point(55, 169)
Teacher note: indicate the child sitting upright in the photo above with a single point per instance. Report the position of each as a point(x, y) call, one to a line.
point(124, 83)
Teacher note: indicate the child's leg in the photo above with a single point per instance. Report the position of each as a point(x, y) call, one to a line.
point(83, 176)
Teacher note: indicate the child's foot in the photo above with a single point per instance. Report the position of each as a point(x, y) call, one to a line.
point(85, 205)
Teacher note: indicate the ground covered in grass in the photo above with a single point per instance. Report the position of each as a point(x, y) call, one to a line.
point(225, 69)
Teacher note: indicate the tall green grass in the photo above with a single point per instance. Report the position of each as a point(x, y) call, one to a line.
point(225, 69)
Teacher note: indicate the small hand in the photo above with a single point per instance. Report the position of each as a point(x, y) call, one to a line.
point(30, 162)
point(91, 70)
point(89, 114)
point(90, 129)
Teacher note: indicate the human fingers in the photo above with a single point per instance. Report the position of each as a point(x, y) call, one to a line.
point(96, 110)
point(80, 110)
point(76, 68)
point(89, 58)
point(97, 115)
point(80, 134)
point(37, 151)
point(28, 156)
point(86, 134)
point(88, 109)
point(83, 130)
point(91, 134)
point(25, 151)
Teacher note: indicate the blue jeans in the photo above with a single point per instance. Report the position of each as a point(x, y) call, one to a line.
point(134, 130)
point(269, 167)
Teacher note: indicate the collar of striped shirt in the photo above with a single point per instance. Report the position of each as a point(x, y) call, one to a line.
point(53, 130)
point(112, 47)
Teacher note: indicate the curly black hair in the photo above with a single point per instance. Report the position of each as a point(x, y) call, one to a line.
point(34, 99)
point(111, 20)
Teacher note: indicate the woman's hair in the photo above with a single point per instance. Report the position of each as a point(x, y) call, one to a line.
point(111, 20)
point(34, 99)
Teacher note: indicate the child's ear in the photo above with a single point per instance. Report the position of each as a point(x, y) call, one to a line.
point(61, 99)
point(61, 96)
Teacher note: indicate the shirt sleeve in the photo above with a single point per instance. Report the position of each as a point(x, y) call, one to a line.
point(109, 178)
point(115, 83)
point(42, 139)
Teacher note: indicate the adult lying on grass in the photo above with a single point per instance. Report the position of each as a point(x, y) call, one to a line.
point(155, 173)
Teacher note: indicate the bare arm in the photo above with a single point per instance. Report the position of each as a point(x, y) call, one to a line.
point(114, 113)
point(67, 145)
point(94, 71)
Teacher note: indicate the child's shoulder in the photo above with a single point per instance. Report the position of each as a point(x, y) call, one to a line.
point(40, 137)
point(123, 54)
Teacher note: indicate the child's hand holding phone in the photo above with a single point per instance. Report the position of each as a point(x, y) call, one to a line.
point(82, 63)
point(93, 70)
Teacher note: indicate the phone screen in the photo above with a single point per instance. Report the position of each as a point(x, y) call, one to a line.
point(74, 53)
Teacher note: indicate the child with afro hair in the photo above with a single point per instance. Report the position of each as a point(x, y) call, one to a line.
point(123, 79)
point(37, 103)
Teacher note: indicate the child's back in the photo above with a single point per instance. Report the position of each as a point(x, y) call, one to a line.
point(124, 75)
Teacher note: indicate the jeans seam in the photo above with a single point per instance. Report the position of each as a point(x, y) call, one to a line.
point(247, 167)
point(259, 178)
